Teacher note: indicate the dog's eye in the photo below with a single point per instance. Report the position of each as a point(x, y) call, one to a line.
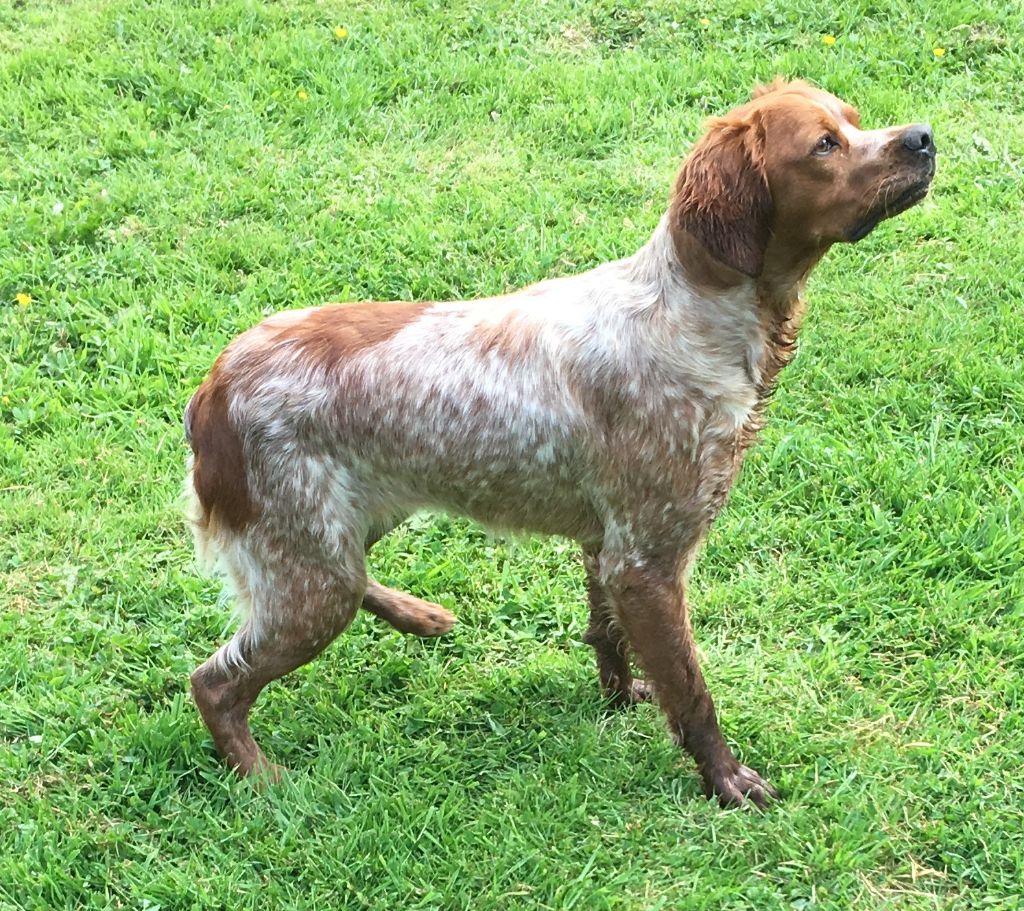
point(825, 145)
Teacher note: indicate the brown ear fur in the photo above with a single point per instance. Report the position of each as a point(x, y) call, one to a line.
point(722, 196)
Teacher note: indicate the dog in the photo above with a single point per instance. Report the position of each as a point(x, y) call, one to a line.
point(611, 407)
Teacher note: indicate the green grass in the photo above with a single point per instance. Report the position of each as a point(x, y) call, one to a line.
point(860, 603)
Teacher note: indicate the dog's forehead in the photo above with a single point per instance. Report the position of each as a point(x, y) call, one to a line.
point(793, 110)
point(802, 110)
point(805, 102)
point(838, 108)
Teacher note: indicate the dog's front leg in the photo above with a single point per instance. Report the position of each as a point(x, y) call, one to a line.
point(648, 596)
point(608, 640)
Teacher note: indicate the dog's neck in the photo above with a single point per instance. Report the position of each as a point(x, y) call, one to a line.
point(786, 268)
point(774, 297)
point(780, 302)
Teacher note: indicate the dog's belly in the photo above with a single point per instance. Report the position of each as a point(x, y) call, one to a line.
point(364, 469)
point(492, 484)
point(500, 498)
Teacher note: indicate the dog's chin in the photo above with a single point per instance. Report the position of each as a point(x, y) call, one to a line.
point(911, 196)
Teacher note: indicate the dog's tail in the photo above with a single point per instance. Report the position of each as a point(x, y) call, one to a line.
point(218, 475)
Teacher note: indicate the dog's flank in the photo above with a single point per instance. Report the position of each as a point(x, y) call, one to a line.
point(612, 407)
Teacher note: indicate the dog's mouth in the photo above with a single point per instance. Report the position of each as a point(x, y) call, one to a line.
point(911, 196)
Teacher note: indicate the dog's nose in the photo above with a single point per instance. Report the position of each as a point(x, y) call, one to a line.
point(918, 138)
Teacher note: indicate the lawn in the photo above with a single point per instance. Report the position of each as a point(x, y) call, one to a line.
point(171, 171)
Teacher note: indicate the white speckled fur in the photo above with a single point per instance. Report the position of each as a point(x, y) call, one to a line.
point(502, 439)
point(634, 326)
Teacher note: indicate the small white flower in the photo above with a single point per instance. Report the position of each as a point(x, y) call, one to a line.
point(58, 207)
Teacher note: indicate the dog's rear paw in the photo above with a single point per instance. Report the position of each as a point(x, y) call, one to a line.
point(264, 774)
point(637, 691)
point(407, 613)
point(431, 620)
point(740, 787)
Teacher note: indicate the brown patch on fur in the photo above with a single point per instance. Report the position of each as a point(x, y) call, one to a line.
point(337, 331)
point(323, 335)
point(760, 199)
point(218, 469)
point(800, 87)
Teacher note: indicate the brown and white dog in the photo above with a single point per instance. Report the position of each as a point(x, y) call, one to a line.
point(612, 407)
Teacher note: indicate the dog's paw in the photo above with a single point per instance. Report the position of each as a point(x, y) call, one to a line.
point(421, 618)
point(264, 774)
point(622, 697)
point(739, 787)
point(639, 691)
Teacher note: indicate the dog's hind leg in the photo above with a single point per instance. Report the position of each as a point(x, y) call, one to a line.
point(609, 643)
point(406, 613)
point(297, 607)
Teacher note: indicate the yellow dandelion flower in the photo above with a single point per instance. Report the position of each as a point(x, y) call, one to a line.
point(828, 40)
point(23, 299)
point(939, 51)
point(341, 33)
point(705, 22)
point(301, 95)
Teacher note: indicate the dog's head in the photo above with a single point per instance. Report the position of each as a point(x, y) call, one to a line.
point(792, 169)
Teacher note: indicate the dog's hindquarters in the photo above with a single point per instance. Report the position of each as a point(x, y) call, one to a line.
point(291, 544)
point(295, 590)
point(303, 445)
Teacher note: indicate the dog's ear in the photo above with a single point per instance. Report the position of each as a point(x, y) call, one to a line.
point(722, 196)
